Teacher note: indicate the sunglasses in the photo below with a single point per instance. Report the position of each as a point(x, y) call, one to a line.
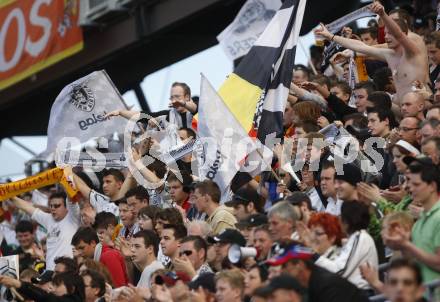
point(186, 253)
point(55, 205)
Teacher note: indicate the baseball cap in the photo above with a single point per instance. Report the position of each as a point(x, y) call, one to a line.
point(206, 281)
point(290, 252)
point(252, 221)
point(244, 196)
point(228, 236)
point(171, 278)
point(283, 281)
point(408, 147)
point(43, 278)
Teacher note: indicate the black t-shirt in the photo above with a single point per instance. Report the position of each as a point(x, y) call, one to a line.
point(26, 260)
point(434, 74)
point(325, 286)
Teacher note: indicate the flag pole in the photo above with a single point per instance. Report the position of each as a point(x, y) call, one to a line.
point(308, 57)
point(271, 169)
point(267, 164)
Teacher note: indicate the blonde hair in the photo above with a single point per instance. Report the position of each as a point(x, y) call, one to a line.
point(404, 219)
point(205, 228)
point(234, 277)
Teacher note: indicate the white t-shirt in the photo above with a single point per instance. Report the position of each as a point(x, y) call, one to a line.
point(102, 203)
point(59, 233)
point(165, 260)
point(144, 281)
point(334, 206)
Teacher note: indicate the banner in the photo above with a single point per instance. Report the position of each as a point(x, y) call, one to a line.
point(238, 38)
point(40, 180)
point(35, 35)
point(78, 113)
point(116, 160)
point(338, 24)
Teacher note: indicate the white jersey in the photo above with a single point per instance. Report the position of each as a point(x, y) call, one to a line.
point(144, 281)
point(59, 233)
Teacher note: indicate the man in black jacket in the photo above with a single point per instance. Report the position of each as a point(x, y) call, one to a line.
point(321, 284)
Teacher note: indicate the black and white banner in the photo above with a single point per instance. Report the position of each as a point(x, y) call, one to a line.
point(338, 24)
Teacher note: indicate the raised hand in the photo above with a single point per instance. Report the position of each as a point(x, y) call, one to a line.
point(347, 32)
point(377, 8)
point(113, 113)
point(323, 32)
point(369, 193)
point(304, 233)
point(370, 274)
point(323, 121)
point(183, 264)
point(309, 85)
point(9, 282)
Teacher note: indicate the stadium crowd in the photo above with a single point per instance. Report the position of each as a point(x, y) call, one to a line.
point(327, 237)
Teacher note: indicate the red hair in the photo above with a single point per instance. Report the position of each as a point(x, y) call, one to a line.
point(330, 224)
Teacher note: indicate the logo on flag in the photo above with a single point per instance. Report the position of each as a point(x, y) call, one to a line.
point(82, 97)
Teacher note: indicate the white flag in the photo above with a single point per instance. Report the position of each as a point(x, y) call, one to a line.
point(238, 38)
point(223, 142)
point(78, 111)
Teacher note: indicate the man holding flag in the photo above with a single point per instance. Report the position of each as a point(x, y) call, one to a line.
point(251, 101)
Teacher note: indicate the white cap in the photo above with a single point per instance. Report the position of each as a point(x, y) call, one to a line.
point(408, 147)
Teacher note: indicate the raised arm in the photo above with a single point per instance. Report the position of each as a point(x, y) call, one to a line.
point(128, 114)
point(24, 205)
point(129, 183)
point(149, 175)
point(355, 45)
point(79, 183)
point(394, 29)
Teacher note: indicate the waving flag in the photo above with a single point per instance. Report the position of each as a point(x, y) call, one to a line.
point(256, 92)
point(223, 143)
point(78, 111)
point(250, 22)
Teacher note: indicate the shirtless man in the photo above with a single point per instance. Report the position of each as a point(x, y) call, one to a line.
point(405, 58)
point(398, 14)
